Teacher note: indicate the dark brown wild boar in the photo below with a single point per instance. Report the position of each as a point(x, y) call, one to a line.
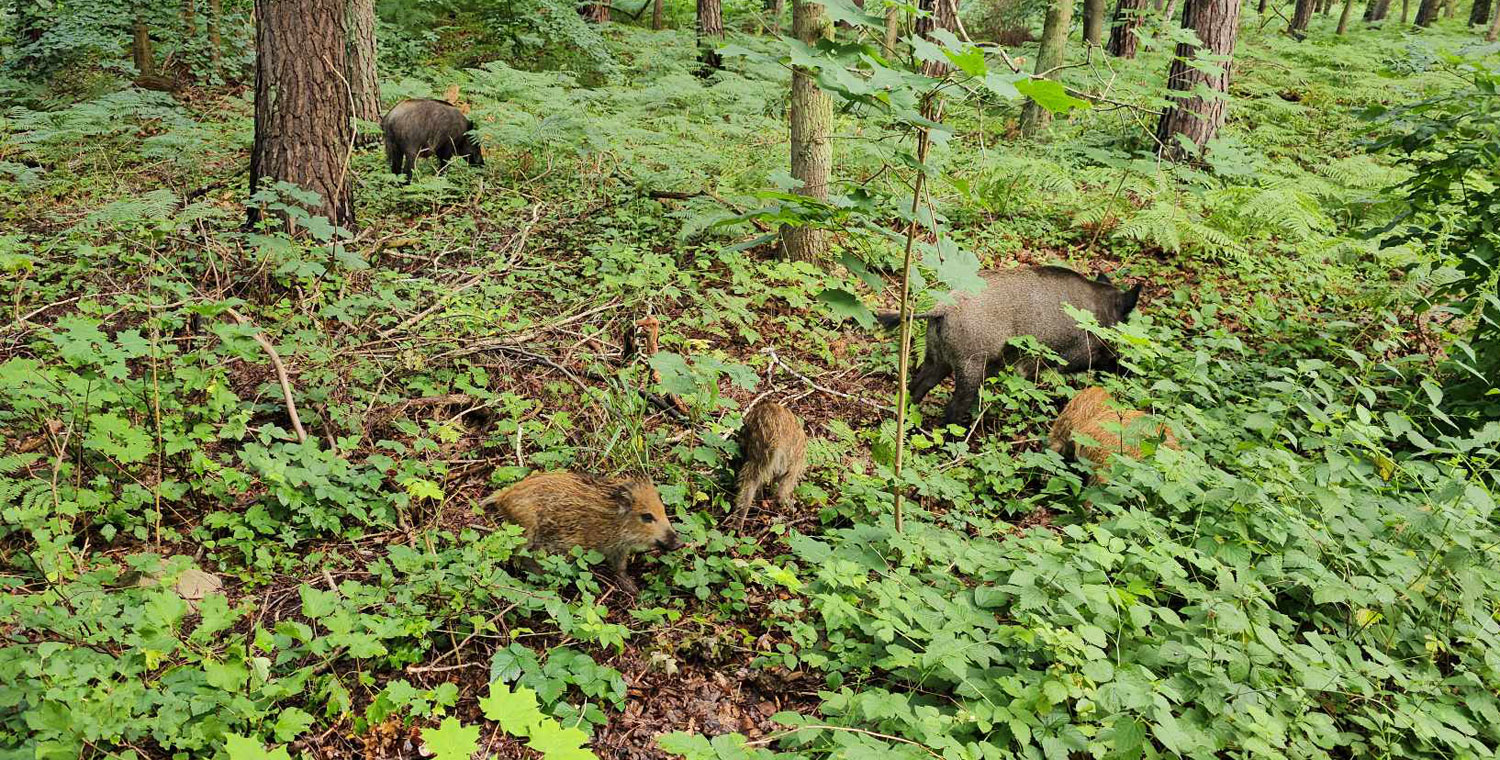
point(774, 449)
point(415, 128)
point(1107, 429)
point(969, 338)
point(560, 510)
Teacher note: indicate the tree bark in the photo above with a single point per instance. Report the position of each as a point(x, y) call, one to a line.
point(656, 23)
point(943, 14)
point(1450, 8)
point(812, 127)
point(710, 34)
point(1301, 17)
point(1093, 22)
point(1494, 32)
point(1383, 8)
point(1129, 14)
point(892, 31)
point(1370, 10)
point(1170, 11)
point(303, 127)
point(190, 18)
point(1051, 54)
point(215, 43)
point(1344, 17)
point(1261, 9)
point(597, 11)
point(141, 52)
point(1216, 23)
point(1427, 12)
point(364, 83)
point(1479, 15)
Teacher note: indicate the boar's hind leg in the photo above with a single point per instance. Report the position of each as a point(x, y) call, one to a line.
point(787, 483)
point(409, 164)
point(928, 376)
point(967, 377)
point(752, 479)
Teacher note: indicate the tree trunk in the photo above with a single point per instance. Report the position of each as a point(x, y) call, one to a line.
point(215, 43)
point(1170, 11)
point(1216, 23)
point(303, 127)
point(1494, 32)
point(1450, 8)
point(140, 50)
point(190, 18)
point(1427, 12)
point(1479, 15)
point(364, 84)
point(1051, 54)
point(1128, 16)
point(1344, 17)
point(777, 14)
point(892, 31)
point(1370, 10)
point(942, 14)
point(710, 35)
point(1383, 7)
point(597, 11)
point(656, 15)
point(1261, 9)
point(812, 125)
point(1301, 17)
point(1093, 22)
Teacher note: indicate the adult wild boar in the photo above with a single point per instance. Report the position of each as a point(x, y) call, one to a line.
point(416, 128)
point(968, 338)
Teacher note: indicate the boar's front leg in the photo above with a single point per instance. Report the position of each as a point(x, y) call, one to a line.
point(967, 377)
point(622, 573)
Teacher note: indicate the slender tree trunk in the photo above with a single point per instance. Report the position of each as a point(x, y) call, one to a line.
point(1051, 54)
point(1405, 11)
point(1427, 12)
point(1093, 22)
point(1261, 9)
point(656, 23)
point(1216, 23)
point(364, 84)
point(892, 31)
point(1479, 15)
point(710, 35)
point(1301, 17)
point(141, 52)
point(1383, 7)
point(303, 127)
point(776, 16)
point(812, 127)
point(1494, 32)
point(1128, 16)
point(215, 44)
point(942, 14)
point(1344, 17)
point(1170, 11)
point(1450, 8)
point(190, 18)
point(597, 11)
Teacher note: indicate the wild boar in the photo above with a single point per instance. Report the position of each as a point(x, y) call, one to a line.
point(415, 128)
point(773, 447)
point(1107, 428)
point(968, 338)
point(560, 510)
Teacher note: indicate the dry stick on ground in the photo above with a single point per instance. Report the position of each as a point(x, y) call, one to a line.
point(281, 376)
point(655, 400)
point(789, 732)
point(771, 352)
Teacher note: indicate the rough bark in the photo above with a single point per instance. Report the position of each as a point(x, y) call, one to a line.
point(942, 14)
point(215, 43)
point(190, 18)
point(1128, 17)
point(892, 31)
point(812, 126)
point(1301, 17)
point(597, 11)
point(1343, 17)
point(1427, 12)
point(303, 126)
point(1216, 23)
point(364, 84)
point(656, 23)
point(1093, 22)
point(141, 52)
point(1051, 54)
point(1170, 11)
point(710, 34)
point(1370, 10)
point(1479, 15)
point(1383, 7)
point(1494, 32)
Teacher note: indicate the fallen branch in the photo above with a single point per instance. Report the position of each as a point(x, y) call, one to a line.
point(771, 352)
point(655, 400)
point(281, 375)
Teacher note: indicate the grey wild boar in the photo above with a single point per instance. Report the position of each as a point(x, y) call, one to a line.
point(1094, 428)
point(773, 446)
point(968, 338)
point(416, 128)
point(560, 510)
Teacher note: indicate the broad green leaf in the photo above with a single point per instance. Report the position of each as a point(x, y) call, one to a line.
point(846, 305)
point(1050, 95)
point(451, 740)
point(515, 711)
point(244, 748)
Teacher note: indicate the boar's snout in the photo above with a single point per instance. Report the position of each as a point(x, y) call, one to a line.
point(669, 541)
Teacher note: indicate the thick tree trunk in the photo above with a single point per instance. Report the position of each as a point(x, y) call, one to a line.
point(597, 11)
point(1093, 22)
point(1216, 23)
point(1427, 12)
point(1051, 54)
point(943, 14)
point(215, 43)
point(364, 84)
point(1301, 17)
point(1370, 10)
point(303, 127)
point(1479, 15)
point(710, 35)
point(1344, 17)
point(1383, 7)
point(1128, 16)
point(812, 127)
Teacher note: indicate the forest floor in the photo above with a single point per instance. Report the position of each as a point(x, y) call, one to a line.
point(475, 329)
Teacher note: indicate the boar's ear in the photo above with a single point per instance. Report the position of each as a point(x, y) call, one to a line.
point(1102, 279)
point(623, 495)
point(1128, 300)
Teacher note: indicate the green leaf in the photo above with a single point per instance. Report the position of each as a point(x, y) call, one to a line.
point(291, 724)
point(451, 740)
point(515, 711)
point(1050, 95)
point(245, 748)
point(559, 743)
point(846, 305)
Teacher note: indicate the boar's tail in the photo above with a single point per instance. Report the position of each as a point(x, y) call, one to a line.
point(892, 319)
